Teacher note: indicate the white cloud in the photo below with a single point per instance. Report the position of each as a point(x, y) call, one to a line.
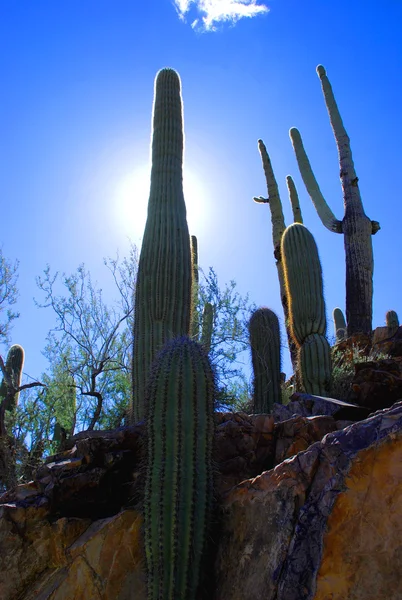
point(217, 11)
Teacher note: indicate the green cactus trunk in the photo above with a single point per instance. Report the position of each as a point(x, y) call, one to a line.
point(339, 324)
point(163, 292)
point(266, 359)
point(14, 366)
point(178, 488)
point(304, 288)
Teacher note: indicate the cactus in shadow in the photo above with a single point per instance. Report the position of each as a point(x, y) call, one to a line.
point(355, 226)
point(266, 359)
point(195, 320)
point(207, 326)
point(392, 322)
point(178, 487)
point(14, 366)
point(304, 288)
point(278, 227)
point(163, 292)
point(339, 324)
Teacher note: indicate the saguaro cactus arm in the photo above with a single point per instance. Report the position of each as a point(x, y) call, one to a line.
point(348, 175)
point(277, 218)
point(294, 200)
point(324, 212)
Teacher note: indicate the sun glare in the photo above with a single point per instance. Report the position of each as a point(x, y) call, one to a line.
point(131, 201)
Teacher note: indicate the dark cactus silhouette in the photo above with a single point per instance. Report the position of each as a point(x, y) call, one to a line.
point(178, 488)
point(392, 322)
point(304, 289)
point(355, 226)
point(14, 366)
point(207, 326)
point(163, 292)
point(339, 324)
point(266, 359)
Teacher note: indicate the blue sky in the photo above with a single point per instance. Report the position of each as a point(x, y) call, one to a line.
point(75, 122)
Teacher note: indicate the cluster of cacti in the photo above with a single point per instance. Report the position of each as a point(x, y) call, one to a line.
point(266, 359)
point(180, 401)
point(163, 296)
point(356, 227)
point(339, 324)
point(307, 319)
point(12, 381)
point(278, 227)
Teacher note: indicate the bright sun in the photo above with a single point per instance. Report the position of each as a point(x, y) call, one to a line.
point(131, 202)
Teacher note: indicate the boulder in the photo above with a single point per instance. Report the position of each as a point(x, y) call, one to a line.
point(308, 405)
point(376, 384)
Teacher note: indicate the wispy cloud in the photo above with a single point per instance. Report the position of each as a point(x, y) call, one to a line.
point(213, 12)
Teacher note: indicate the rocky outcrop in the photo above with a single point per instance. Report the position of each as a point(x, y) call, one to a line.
point(327, 517)
point(323, 525)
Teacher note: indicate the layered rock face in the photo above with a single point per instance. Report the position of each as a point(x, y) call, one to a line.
point(323, 524)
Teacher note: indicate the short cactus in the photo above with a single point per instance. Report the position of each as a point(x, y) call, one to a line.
point(304, 288)
point(339, 324)
point(392, 322)
point(178, 488)
point(14, 366)
point(163, 298)
point(266, 359)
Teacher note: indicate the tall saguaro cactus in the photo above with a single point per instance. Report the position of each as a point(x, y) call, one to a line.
point(304, 288)
point(356, 227)
point(163, 292)
point(266, 359)
point(178, 487)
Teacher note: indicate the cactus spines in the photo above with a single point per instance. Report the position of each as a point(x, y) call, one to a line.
point(178, 487)
point(315, 364)
point(304, 288)
point(14, 366)
point(392, 322)
point(207, 326)
point(163, 291)
point(266, 359)
point(356, 227)
point(339, 324)
point(294, 200)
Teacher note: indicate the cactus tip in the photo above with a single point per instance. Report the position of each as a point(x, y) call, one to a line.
point(321, 71)
point(294, 133)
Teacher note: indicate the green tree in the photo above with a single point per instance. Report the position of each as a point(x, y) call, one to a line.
point(230, 340)
point(91, 341)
